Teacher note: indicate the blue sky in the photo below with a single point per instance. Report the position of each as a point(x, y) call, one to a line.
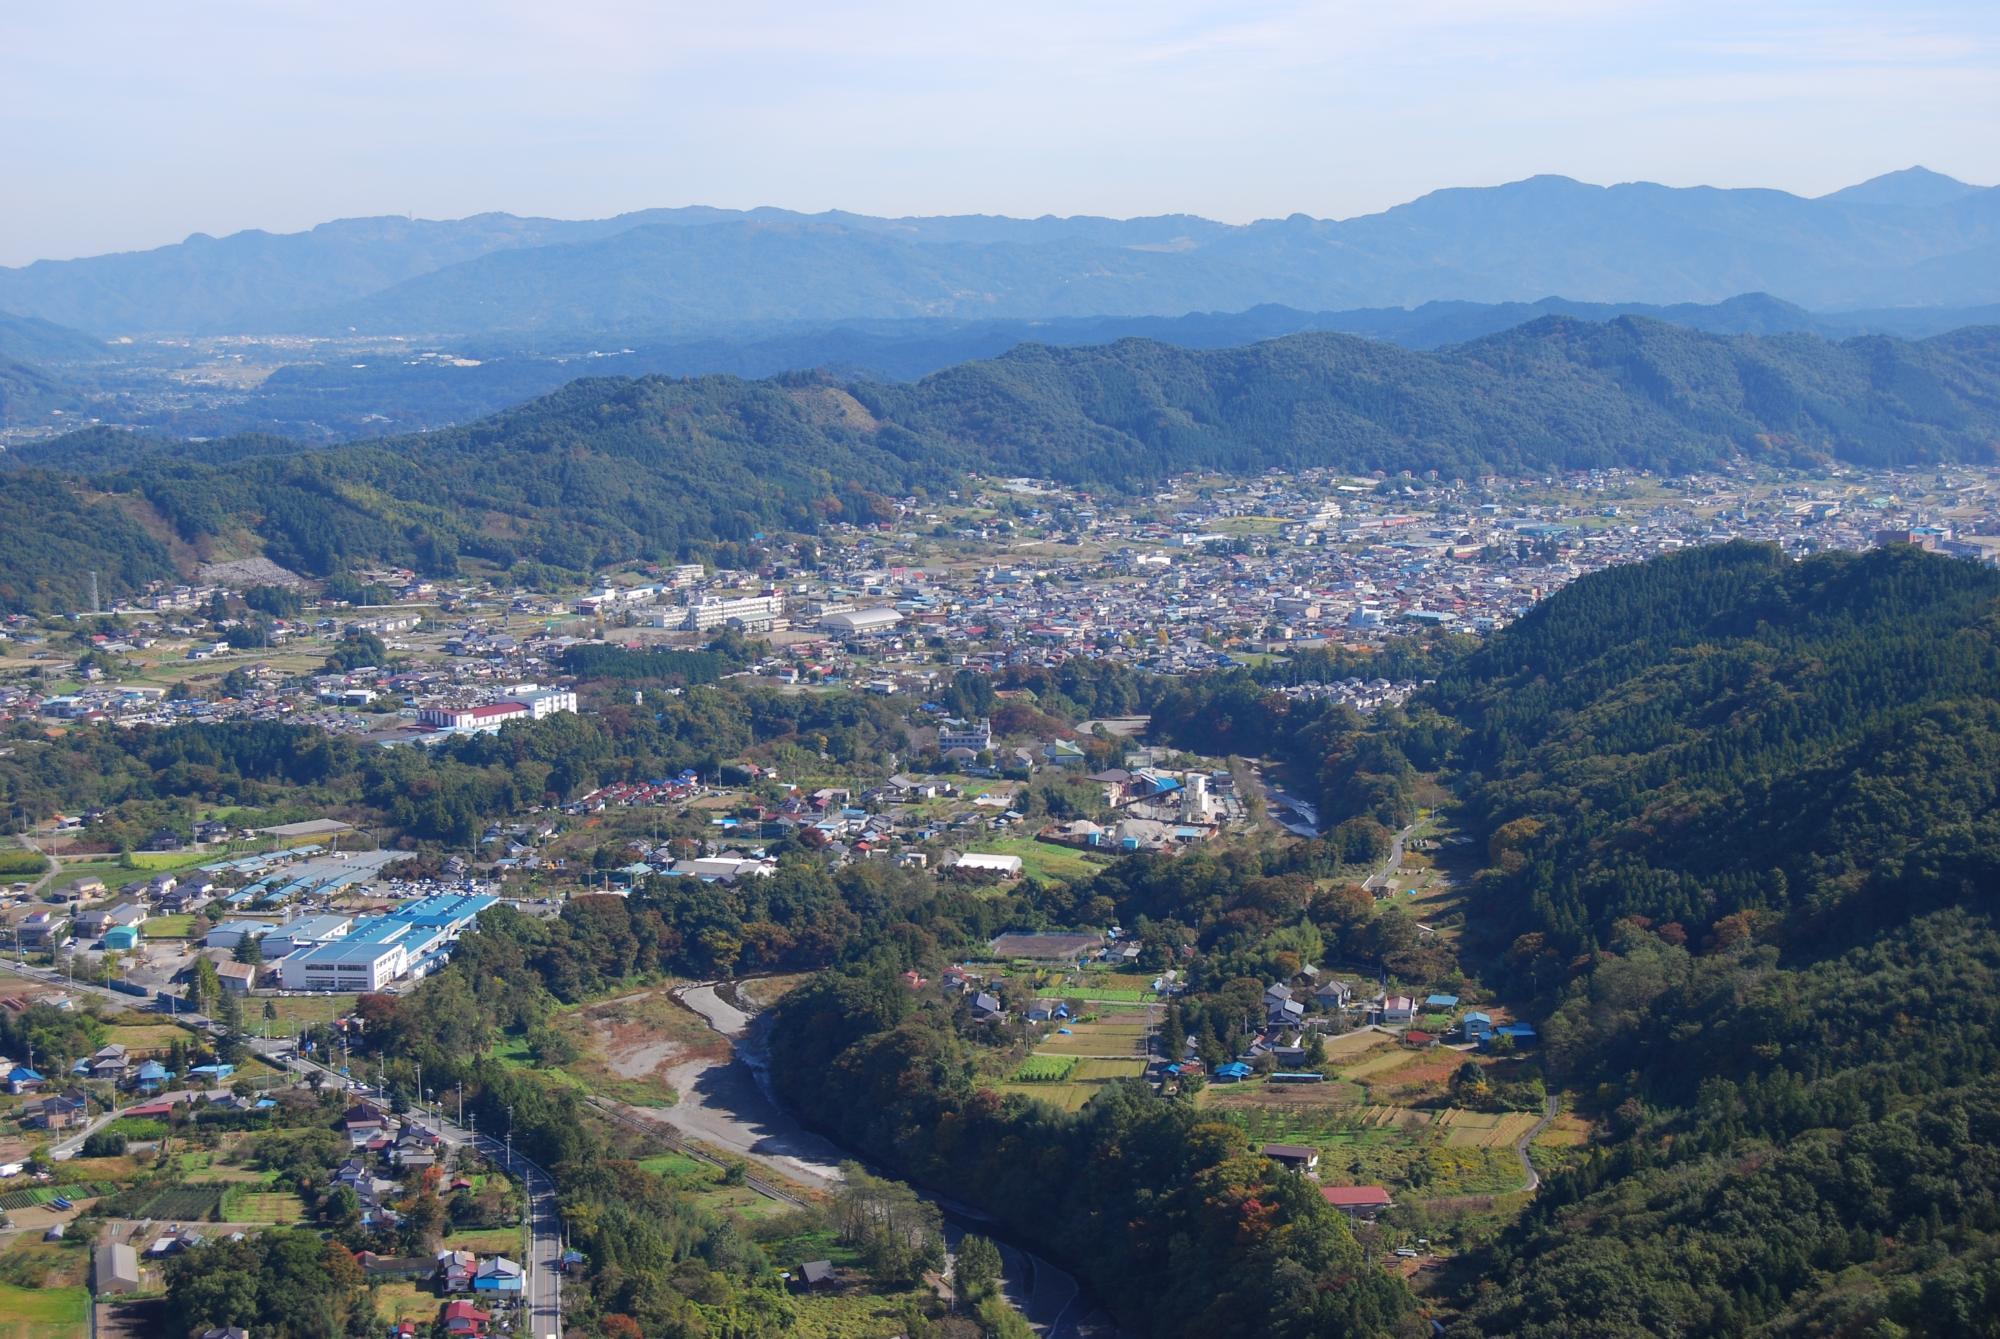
point(127, 125)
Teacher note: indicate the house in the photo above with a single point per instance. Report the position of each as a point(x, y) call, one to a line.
point(1477, 1025)
point(498, 1275)
point(986, 1006)
point(815, 1274)
point(462, 1317)
point(151, 1076)
point(109, 1062)
point(59, 1112)
point(1294, 1157)
point(116, 1269)
point(1233, 1072)
point(1334, 995)
point(1362, 1202)
point(1521, 1034)
point(455, 1270)
point(1398, 1009)
point(236, 977)
point(21, 1079)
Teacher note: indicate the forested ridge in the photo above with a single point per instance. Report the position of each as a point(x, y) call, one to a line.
point(611, 469)
point(1738, 823)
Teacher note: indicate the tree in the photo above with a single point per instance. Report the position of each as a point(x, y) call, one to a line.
point(977, 1268)
point(250, 949)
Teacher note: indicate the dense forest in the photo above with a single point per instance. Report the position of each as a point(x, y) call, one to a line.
point(606, 470)
point(1739, 829)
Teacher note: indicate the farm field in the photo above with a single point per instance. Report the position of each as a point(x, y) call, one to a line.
point(1421, 1154)
point(43, 1313)
point(1105, 1037)
point(246, 1205)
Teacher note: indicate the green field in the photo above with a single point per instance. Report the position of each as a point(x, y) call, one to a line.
point(297, 1011)
point(249, 1205)
point(1041, 860)
point(43, 1313)
point(169, 927)
point(1113, 1039)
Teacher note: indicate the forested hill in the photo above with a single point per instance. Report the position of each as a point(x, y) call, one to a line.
point(1740, 823)
point(609, 469)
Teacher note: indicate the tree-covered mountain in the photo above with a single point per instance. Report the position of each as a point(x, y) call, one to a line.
point(1893, 242)
point(1740, 838)
point(344, 396)
point(611, 469)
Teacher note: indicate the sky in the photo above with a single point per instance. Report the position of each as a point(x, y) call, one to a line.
point(127, 124)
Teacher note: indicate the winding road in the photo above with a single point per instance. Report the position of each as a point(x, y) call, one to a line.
point(728, 1104)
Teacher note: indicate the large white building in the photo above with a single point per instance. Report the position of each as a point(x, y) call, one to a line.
point(861, 622)
point(362, 962)
point(712, 611)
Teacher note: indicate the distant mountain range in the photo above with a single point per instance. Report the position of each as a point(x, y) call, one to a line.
point(1911, 238)
point(608, 469)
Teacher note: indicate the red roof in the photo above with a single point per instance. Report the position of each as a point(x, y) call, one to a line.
point(493, 709)
point(465, 1311)
point(1356, 1197)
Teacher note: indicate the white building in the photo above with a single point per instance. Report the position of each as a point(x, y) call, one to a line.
point(362, 964)
point(712, 611)
point(861, 622)
point(1005, 865)
point(974, 735)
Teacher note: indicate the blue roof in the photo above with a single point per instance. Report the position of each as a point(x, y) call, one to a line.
point(1441, 1001)
point(1235, 1069)
point(1477, 1017)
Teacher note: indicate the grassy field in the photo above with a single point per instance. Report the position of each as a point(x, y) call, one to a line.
point(43, 1313)
point(298, 1011)
point(1105, 1038)
point(178, 926)
point(1039, 859)
point(406, 1299)
point(486, 1241)
point(145, 1036)
point(247, 1205)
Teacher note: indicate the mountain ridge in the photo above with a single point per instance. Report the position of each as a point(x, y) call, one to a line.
point(1902, 240)
point(607, 469)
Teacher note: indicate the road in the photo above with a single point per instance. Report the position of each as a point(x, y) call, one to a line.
point(1521, 1144)
point(1394, 860)
point(729, 1104)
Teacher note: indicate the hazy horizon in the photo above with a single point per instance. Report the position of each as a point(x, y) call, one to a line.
point(130, 126)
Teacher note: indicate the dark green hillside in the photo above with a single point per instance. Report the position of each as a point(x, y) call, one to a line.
point(50, 540)
point(1741, 831)
point(610, 469)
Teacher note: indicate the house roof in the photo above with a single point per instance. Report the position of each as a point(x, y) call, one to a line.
point(1356, 1197)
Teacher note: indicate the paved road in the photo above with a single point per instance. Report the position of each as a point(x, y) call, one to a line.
point(729, 1103)
point(1521, 1144)
point(1395, 860)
